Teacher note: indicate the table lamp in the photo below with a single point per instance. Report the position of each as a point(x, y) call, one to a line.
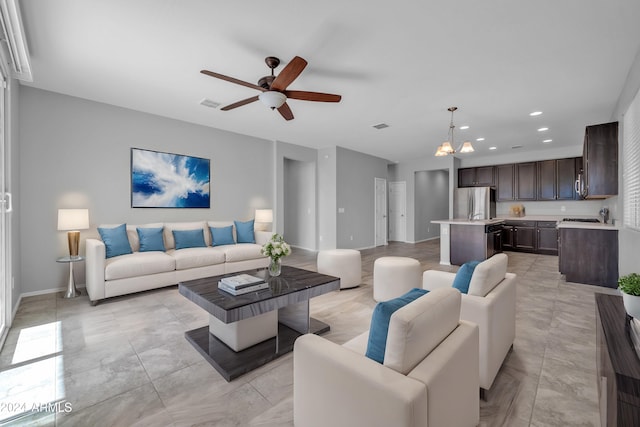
point(264, 216)
point(73, 220)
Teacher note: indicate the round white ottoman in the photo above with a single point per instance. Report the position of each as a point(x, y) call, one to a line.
point(343, 263)
point(394, 276)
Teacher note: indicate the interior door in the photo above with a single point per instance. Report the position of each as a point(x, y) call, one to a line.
point(398, 211)
point(380, 211)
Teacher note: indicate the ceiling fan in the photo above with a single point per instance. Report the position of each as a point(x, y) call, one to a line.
point(274, 88)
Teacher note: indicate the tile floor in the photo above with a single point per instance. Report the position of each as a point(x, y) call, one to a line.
point(126, 362)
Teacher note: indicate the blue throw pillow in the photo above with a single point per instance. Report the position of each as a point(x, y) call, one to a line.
point(380, 322)
point(189, 239)
point(463, 276)
point(244, 232)
point(222, 236)
point(115, 240)
point(150, 239)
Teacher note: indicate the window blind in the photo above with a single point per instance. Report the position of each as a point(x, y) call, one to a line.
point(631, 165)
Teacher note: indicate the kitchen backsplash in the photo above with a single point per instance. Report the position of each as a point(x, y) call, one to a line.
point(578, 207)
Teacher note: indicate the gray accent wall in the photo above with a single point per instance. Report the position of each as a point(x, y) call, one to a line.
point(327, 199)
point(431, 202)
point(75, 153)
point(355, 173)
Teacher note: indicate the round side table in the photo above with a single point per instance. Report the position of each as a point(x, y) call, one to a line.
point(72, 292)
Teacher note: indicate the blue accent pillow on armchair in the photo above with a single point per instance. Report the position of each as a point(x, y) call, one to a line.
point(244, 232)
point(150, 239)
point(463, 276)
point(222, 236)
point(380, 322)
point(189, 239)
point(115, 240)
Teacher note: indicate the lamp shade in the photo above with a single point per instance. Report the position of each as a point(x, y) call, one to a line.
point(73, 219)
point(264, 215)
point(467, 148)
point(272, 98)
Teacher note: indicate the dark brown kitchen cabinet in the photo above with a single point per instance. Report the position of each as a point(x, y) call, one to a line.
point(589, 256)
point(519, 236)
point(547, 237)
point(600, 157)
point(476, 177)
point(505, 178)
point(567, 173)
point(547, 179)
point(526, 181)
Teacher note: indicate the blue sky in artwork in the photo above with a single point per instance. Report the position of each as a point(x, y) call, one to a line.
point(168, 180)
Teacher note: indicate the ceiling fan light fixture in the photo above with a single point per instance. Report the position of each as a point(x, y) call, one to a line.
point(273, 99)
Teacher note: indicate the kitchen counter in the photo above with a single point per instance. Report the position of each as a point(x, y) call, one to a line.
point(590, 225)
point(464, 221)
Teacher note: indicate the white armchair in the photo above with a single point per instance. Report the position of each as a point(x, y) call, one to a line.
point(491, 304)
point(429, 376)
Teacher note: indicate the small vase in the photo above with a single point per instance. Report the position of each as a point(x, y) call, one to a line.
point(275, 266)
point(631, 305)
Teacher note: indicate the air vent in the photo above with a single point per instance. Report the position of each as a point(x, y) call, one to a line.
point(209, 103)
point(516, 146)
point(381, 126)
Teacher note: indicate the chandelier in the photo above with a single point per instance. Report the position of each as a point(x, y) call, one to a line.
point(447, 147)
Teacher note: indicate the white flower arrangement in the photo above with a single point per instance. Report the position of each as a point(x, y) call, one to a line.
point(276, 248)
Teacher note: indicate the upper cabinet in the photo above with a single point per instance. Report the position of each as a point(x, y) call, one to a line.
point(600, 161)
point(526, 181)
point(476, 177)
point(548, 180)
point(505, 180)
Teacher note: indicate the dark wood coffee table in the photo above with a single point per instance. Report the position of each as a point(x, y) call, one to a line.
point(288, 293)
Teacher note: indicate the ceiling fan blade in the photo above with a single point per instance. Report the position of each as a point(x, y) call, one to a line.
point(285, 111)
point(312, 96)
point(240, 103)
point(288, 74)
point(232, 80)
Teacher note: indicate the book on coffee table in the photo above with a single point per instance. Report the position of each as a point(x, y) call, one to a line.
point(241, 281)
point(244, 290)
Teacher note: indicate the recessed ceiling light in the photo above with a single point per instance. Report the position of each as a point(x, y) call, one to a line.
point(542, 129)
point(479, 139)
point(464, 127)
point(535, 113)
point(546, 141)
point(492, 148)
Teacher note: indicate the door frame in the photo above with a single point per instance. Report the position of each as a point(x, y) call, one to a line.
point(375, 213)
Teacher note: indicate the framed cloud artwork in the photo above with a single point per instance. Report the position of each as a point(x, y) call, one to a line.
point(165, 180)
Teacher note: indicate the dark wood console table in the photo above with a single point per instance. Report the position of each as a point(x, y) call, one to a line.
point(618, 364)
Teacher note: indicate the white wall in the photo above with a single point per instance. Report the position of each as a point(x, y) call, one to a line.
point(300, 203)
point(76, 153)
point(431, 202)
point(355, 173)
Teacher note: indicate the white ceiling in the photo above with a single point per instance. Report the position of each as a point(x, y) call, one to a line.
point(398, 62)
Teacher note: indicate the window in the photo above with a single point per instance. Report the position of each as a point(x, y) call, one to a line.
point(631, 165)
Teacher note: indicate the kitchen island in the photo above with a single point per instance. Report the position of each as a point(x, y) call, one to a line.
point(463, 240)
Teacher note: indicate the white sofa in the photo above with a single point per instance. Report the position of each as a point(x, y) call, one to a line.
point(141, 271)
point(429, 376)
point(491, 304)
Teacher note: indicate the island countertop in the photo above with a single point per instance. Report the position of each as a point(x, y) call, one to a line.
point(464, 221)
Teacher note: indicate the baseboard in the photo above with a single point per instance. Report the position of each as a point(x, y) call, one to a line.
point(303, 248)
point(425, 240)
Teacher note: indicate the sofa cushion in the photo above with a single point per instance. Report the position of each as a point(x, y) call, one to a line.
point(196, 257)
point(150, 239)
point(463, 276)
point(169, 241)
point(115, 240)
point(417, 328)
point(244, 232)
point(134, 238)
point(222, 236)
point(189, 239)
point(380, 322)
point(242, 252)
point(488, 274)
point(138, 264)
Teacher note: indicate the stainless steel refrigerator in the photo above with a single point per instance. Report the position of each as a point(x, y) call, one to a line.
point(474, 203)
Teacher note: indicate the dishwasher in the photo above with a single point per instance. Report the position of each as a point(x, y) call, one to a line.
point(493, 237)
